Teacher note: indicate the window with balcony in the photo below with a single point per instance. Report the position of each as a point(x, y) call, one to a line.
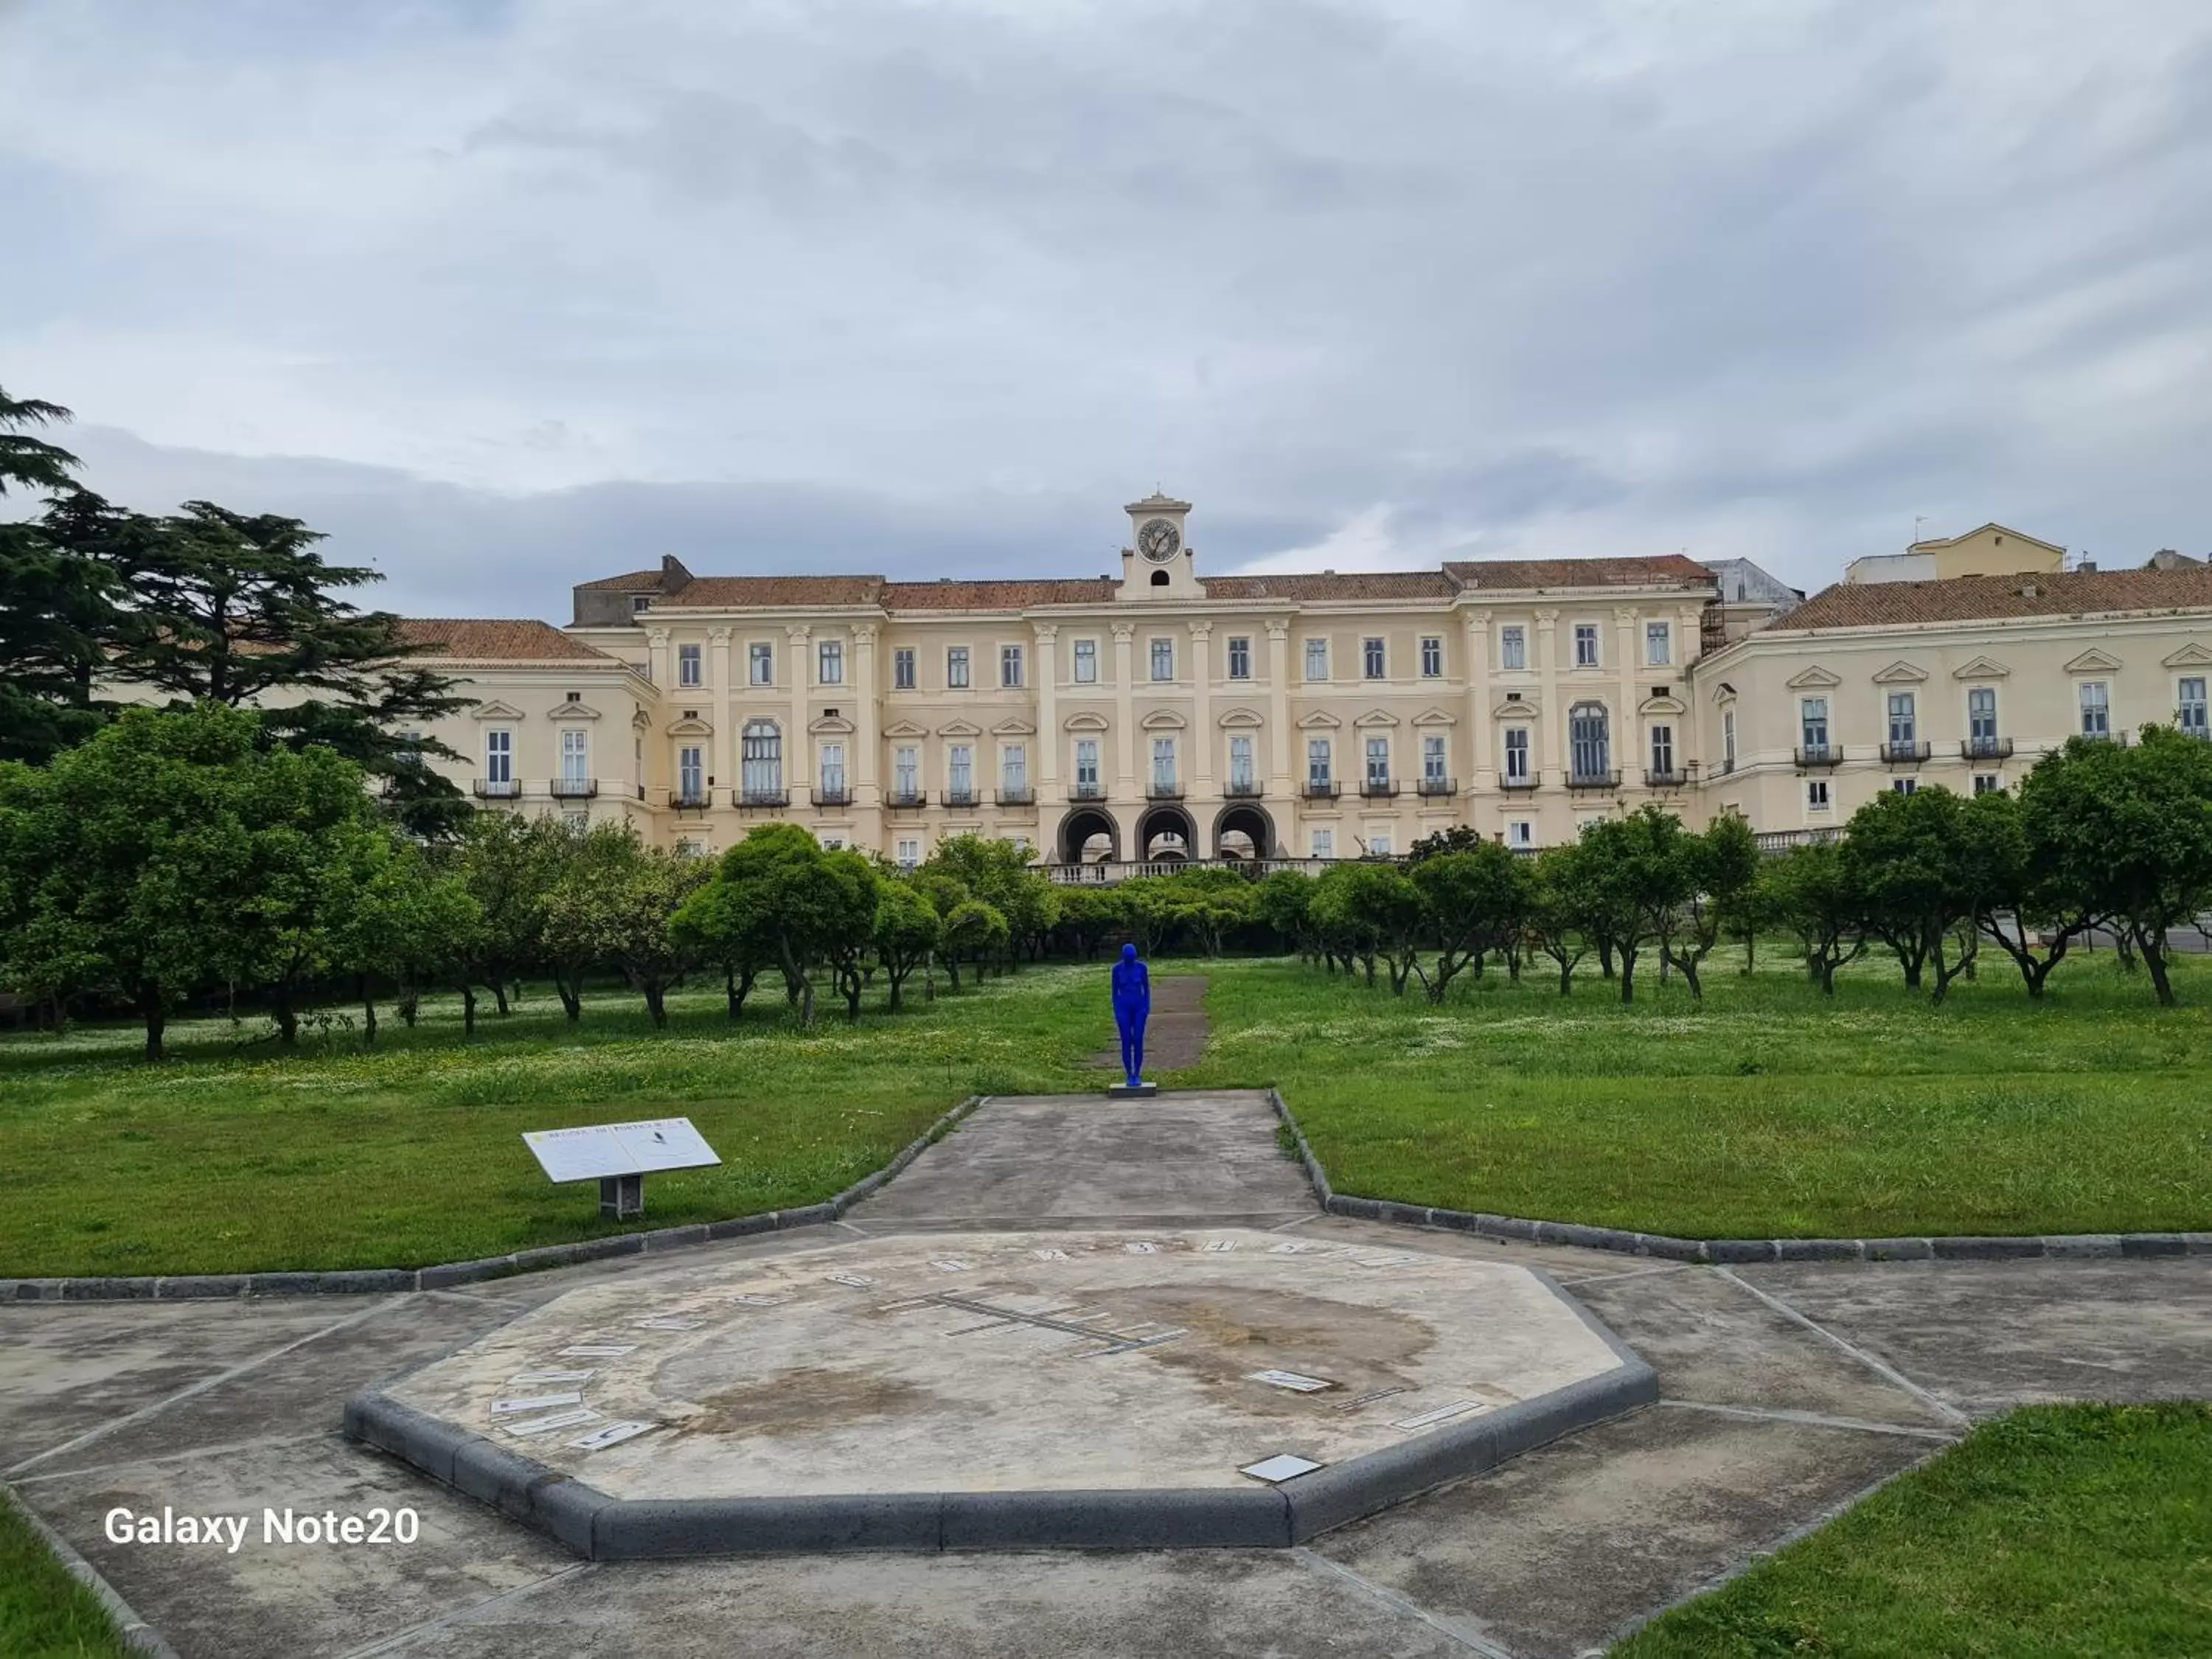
point(906, 774)
point(1586, 645)
point(760, 656)
point(1378, 764)
point(1513, 647)
point(1813, 726)
point(1242, 780)
point(834, 791)
point(1590, 742)
point(1163, 660)
point(1240, 659)
point(1014, 772)
point(1903, 724)
point(1434, 765)
point(1370, 659)
point(902, 669)
point(760, 769)
point(2096, 709)
point(499, 757)
point(1982, 715)
point(575, 761)
point(956, 667)
point(1164, 766)
point(2191, 712)
point(829, 662)
point(1086, 662)
point(1517, 754)
point(691, 775)
point(1086, 768)
point(1728, 740)
point(1662, 752)
point(1318, 776)
point(687, 665)
point(1316, 660)
point(1010, 667)
point(1432, 657)
point(1658, 644)
point(959, 775)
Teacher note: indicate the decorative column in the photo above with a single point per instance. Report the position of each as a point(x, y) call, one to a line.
point(1125, 716)
point(656, 659)
point(1480, 698)
point(1279, 775)
point(1047, 722)
point(796, 759)
point(862, 761)
point(723, 690)
point(1554, 717)
point(1202, 680)
point(1628, 754)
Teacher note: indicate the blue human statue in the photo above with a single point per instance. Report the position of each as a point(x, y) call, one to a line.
point(1133, 1003)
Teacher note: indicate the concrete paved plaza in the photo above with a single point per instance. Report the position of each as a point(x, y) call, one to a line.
point(1787, 1391)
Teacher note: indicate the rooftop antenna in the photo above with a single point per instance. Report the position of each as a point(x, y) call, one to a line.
point(1918, 520)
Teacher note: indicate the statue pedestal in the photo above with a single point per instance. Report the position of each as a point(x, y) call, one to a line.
point(1131, 1091)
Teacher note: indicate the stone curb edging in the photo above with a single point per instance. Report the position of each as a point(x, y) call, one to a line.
point(601, 1527)
point(385, 1281)
point(133, 1632)
point(1729, 1252)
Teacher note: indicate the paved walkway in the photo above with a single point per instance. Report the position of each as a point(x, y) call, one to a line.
point(1788, 1391)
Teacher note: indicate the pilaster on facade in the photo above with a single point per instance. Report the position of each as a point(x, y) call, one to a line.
point(1124, 710)
point(1554, 722)
point(1202, 736)
point(1047, 635)
point(867, 719)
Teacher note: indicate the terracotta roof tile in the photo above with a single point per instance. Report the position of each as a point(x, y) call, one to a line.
point(497, 639)
point(635, 582)
point(1341, 585)
point(724, 592)
point(1990, 599)
point(996, 595)
point(1667, 570)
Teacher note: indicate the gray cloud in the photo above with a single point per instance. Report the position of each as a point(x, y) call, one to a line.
point(559, 286)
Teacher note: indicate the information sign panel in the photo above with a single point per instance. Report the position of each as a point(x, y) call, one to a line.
point(598, 1151)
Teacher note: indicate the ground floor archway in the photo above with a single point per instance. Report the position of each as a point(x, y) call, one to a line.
point(1244, 831)
point(1167, 833)
point(1089, 834)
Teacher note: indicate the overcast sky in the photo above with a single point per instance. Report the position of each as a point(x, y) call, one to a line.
point(506, 294)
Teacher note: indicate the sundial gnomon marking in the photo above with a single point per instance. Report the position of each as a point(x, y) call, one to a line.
point(1126, 1337)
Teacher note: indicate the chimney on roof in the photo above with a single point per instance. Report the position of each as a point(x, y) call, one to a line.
point(2087, 567)
point(674, 575)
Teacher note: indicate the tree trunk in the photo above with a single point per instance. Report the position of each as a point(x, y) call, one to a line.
point(952, 970)
point(1566, 978)
point(468, 1011)
point(853, 995)
point(656, 1002)
point(1689, 967)
point(367, 1010)
point(2151, 947)
point(410, 1005)
point(806, 1006)
point(499, 995)
point(1627, 975)
point(571, 992)
point(736, 988)
point(288, 1021)
point(897, 978)
point(157, 1021)
point(1605, 958)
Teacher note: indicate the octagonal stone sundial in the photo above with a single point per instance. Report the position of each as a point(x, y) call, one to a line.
point(1018, 1390)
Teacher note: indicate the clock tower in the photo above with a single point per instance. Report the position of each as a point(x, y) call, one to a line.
point(1157, 564)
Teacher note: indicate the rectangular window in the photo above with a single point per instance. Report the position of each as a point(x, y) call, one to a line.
point(687, 665)
point(575, 756)
point(1662, 750)
point(1513, 647)
point(909, 852)
point(1086, 662)
point(833, 769)
point(902, 669)
point(1378, 760)
point(499, 757)
point(1517, 754)
point(1240, 762)
point(1816, 795)
point(1323, 843)
point(906, 773)
point(1658, 644)
point(829, 662)
point(833, 843)
point(1010, 666)
point(1086, 763)
point(956, 667)
point(2096, 709)
point(1163, 763)
point(1014, 768)
point(1905, 786)
point(1982, 714)
point(2191, 710)
point(762, 657)
point(1378, 843)
point(1370, 659)
point(1163, 660)
point(960, 770)
point(1432, 657)
point(760, 760)
point(691, 772)
point(639, 602)
point(1317, 772)
point(1728, 740)
point(1520, 832)
point(1902, 724)
point(1586, 645)
point(1813, 721)
point(1589, 741)
point(1432, 758)
point(1985, 783)
point(1240, 659)
point(1316, 660)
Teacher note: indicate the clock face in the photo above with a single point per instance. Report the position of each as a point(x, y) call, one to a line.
point(1157, 541)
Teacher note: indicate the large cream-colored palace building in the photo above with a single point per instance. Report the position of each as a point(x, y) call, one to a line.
point(1163, 714)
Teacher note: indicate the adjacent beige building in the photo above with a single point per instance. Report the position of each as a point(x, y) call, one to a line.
point(1160, 713)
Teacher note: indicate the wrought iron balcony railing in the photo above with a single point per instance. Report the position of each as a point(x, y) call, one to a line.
point(1593, 780)
point(575, 788)
point(1820, 754)
point(1986, 749)
point(1320, 789)
point(497, 788)
point(1438, 787)
point(1905, 754)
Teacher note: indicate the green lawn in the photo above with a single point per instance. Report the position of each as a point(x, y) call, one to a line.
point(44, 1613)
point(2056, 1532)
point(1763, 1112)
point(226, 1159)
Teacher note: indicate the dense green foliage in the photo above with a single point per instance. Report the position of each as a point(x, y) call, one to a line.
point(2054, 1532)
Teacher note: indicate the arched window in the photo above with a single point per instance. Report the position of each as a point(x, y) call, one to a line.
point(1590, 742)
point(762, 755)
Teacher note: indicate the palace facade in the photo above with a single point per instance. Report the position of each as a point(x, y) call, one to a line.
point(1160, 713)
